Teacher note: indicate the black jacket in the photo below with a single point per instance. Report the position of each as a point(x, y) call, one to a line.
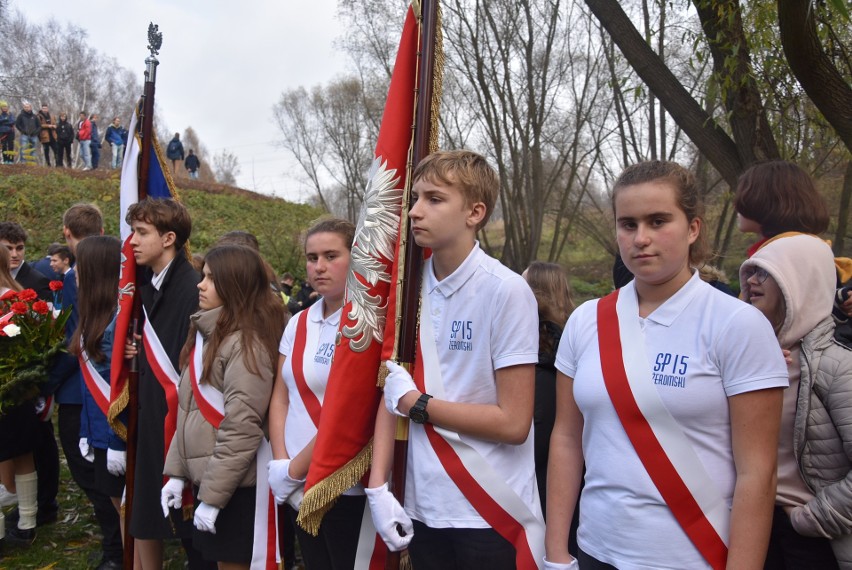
point(30, 278)
point(64, 131)
point(28, 124)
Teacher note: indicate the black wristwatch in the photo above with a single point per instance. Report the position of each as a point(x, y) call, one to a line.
point(418, 413)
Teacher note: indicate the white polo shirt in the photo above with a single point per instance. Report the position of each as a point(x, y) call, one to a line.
point(299, 429)
point(703, 347)
point(484, 318)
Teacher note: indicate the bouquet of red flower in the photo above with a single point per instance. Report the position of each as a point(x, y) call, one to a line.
point(32, 333)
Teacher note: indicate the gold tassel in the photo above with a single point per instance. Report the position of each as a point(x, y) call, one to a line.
point(115, 409)
point(382, 376)
point(321, 497)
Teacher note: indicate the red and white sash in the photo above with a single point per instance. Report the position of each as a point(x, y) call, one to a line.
point(211, 404)
point(659, 441)
point(166, 375)
point(265, 554)
point(311, 389)
point(98, 387)
point(210, 401)
point(371, 550)
point(485, 489)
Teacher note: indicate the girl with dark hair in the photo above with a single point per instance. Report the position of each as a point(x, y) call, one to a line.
point(306, 351)
point(97, 271)
point(671, 391)
point(775, 197)
point(228, 367)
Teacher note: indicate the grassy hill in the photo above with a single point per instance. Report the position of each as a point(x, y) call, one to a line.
point(36, 198)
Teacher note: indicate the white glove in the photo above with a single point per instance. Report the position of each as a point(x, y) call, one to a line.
point(280, 482)
point(387, 514)
point(205, 518)
point(573, 565)
point(116, 462)
point(171, 495)
point(86, 450)
point(397, 384)
point(295, 498)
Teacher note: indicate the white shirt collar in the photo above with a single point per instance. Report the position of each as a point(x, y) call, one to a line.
point(316, 311)
point(453, 282)
point(157, 280)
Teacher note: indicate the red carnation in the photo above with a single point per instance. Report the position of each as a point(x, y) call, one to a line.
point(41, 307)
point(56, 285)
point(9, 295)
point(27, 295)
point(19, 308)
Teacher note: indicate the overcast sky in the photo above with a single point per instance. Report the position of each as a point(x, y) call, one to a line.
point(223, 65)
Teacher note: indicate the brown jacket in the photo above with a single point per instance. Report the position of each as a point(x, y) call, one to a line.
point(219, 461)
point(47, 134)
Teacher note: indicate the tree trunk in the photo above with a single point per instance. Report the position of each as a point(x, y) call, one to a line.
point(723, 27)
point(813, 68)
point(843, 213)
point(700, 127)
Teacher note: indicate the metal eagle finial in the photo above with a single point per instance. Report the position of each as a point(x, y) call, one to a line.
point(155, 38)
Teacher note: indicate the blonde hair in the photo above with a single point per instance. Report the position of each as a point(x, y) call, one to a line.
point(466, 171)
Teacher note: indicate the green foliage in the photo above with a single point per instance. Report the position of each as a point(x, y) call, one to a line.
point(74, 541)
point(37, 197)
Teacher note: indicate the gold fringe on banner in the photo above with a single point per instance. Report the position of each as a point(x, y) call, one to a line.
point(115, 408)
point(324, 494)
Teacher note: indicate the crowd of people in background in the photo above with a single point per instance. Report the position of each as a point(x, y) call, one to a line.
point(21, 135)
point(31, 138)
point(669, 424)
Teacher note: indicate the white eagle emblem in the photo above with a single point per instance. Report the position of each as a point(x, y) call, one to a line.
point(372, 254)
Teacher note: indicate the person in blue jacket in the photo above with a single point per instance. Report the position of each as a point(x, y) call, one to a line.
point(98, 266)
point(7, 133)
point(116, 136)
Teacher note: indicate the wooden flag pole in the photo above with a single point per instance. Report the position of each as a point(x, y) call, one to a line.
point(145, 129)
point(409, 301)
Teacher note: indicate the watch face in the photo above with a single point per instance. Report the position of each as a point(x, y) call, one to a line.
point(418, 416)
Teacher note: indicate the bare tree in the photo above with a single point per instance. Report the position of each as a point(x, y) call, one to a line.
point(191, 140)
point(227, 167)
point(53, 63)
point(332, 136)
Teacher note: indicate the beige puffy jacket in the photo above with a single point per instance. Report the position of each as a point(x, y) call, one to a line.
point(803, 267)
point(219, 461)
point(822, 436)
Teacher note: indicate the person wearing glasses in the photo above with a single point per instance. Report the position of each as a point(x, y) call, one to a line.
point(792, 282)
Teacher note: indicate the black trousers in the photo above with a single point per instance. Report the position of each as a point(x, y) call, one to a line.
point(48, 146)
point(83, 474)
point(46, 456)
point(7, 146)
point(64, 150)
point(586, 562)
point(336, 545)
point(459, 549)
point(789, 550)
